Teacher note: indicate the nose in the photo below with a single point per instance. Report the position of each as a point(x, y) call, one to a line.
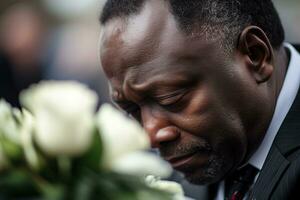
point(158, 127)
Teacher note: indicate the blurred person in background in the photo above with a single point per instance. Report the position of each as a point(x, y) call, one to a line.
point(52, 40)
point(21, 43)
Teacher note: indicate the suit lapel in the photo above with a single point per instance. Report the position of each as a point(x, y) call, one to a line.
point(272, 170)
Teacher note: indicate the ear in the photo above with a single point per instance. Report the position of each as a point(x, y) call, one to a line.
point(255, 46)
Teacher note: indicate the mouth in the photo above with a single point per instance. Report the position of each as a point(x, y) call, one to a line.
point(180, 160)
point(183, 162)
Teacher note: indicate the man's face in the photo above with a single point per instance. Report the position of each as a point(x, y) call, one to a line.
point(198, 104)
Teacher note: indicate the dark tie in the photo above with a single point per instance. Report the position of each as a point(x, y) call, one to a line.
point(237, 185)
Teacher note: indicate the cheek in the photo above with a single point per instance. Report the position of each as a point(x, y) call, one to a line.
point(200, 101)
point(196, 117)
point(208, 117)
point(223, 132)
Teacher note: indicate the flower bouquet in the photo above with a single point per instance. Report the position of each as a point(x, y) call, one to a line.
point(58, 147)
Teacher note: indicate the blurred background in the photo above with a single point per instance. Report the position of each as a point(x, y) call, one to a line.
point(49, 40)
point(58, 40)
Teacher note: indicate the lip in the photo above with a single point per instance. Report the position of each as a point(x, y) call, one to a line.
point(180, 161)
point(190, 161)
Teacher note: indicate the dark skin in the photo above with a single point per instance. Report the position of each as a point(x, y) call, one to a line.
point(206, 110)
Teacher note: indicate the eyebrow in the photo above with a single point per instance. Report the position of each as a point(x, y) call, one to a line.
point(167, 86)
point(176, 81)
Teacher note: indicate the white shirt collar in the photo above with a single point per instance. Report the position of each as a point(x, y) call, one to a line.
point(285, 100)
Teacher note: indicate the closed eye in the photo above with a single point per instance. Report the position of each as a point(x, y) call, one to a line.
point(171, 98)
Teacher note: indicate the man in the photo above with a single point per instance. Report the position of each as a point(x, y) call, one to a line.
point(213, 84)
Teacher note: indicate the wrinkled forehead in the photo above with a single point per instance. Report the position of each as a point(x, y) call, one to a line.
point(137, 39)
point(150, 46)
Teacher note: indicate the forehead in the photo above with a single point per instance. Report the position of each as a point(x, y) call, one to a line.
point(147, 44)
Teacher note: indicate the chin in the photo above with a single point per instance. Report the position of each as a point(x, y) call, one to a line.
point(213, 172)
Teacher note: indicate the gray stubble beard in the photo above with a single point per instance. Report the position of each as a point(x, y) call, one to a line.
point(211, 173)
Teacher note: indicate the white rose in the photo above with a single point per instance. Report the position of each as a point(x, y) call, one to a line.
point(120, 134)
point(167, 186)
point(64, 116)
point(124, 142)
point(142, 164)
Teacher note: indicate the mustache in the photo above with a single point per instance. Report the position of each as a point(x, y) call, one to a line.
point(177, 149)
